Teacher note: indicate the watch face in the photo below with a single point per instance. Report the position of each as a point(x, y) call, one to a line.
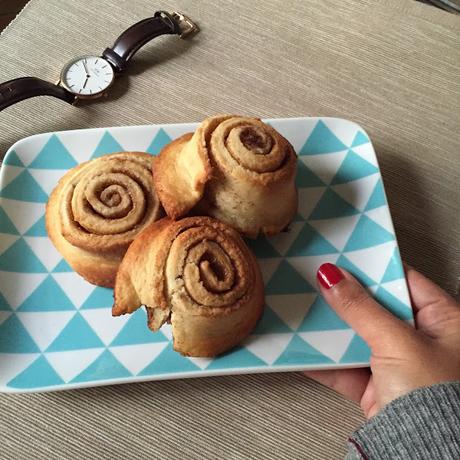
point(87, 76)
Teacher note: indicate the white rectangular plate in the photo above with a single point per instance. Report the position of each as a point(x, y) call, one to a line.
point(57, 332)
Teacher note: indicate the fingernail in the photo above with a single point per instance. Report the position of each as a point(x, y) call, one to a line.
point(329, 275)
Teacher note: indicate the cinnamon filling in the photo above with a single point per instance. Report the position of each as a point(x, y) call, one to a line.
point(256, 140)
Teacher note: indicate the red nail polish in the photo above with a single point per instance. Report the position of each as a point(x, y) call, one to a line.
point(329, 275)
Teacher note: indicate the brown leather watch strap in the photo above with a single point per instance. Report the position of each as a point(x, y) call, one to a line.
point(129, 42)
point(22, 88)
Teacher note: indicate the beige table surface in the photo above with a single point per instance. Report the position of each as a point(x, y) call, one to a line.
point(393, 66)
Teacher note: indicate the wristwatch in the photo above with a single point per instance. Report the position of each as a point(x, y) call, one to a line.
point(89, 77)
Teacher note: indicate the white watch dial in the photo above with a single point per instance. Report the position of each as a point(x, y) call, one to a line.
point(88, 76)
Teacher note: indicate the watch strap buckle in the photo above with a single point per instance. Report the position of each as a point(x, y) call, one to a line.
point(186, 25)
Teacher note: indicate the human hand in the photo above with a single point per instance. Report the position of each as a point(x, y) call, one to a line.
point(402, 358)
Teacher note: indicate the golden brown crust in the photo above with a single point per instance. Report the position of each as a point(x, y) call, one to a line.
point(166, 162)
point(98, 208)
point(236, 169)
point(198, 274)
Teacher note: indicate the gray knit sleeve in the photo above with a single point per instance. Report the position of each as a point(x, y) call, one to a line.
point(424, 424)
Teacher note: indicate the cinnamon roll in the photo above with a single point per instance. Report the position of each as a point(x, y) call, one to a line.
point(236, 169)
point(197, 274)
point(98, 208)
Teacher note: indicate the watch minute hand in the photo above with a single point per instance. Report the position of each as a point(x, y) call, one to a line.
point(86, 68)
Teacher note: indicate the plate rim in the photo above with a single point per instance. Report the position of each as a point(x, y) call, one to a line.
point(33, 137)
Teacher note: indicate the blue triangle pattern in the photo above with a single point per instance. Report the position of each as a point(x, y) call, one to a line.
point(38, 229)
point(261, 248)
point(62, 267)
point(24, 188)
point(14, 338)
point(99, 298)
point(331, 205)
point(48, 296)
point(106, 366)
point(322, 317)
point(135, 331)
point(53, 155)
point(12, 159)
point(353, 167)
point(310, 243)
point(322, 140)
point(4, 305)
point(77, 335)
point(19, 258)
point(364, 279)
point(169, 361)
point(38, 374)
point(270, 323)
point(395, 270)
point(360, 139)
point(160, 140)
point(106, 145)
point(377, 197)
point(300, 352)
point(390, 302)
point(366, 234)
point(239, 357)
point(306, 177)
point(357, 351)
point(287, 280)
point(6, 226)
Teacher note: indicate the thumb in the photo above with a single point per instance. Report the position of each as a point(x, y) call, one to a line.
point(376, 325)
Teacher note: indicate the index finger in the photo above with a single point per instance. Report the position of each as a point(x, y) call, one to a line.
point(425, 293)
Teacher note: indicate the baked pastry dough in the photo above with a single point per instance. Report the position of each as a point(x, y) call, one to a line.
point(236, 169)
point(98, 208)
point(197, 274)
